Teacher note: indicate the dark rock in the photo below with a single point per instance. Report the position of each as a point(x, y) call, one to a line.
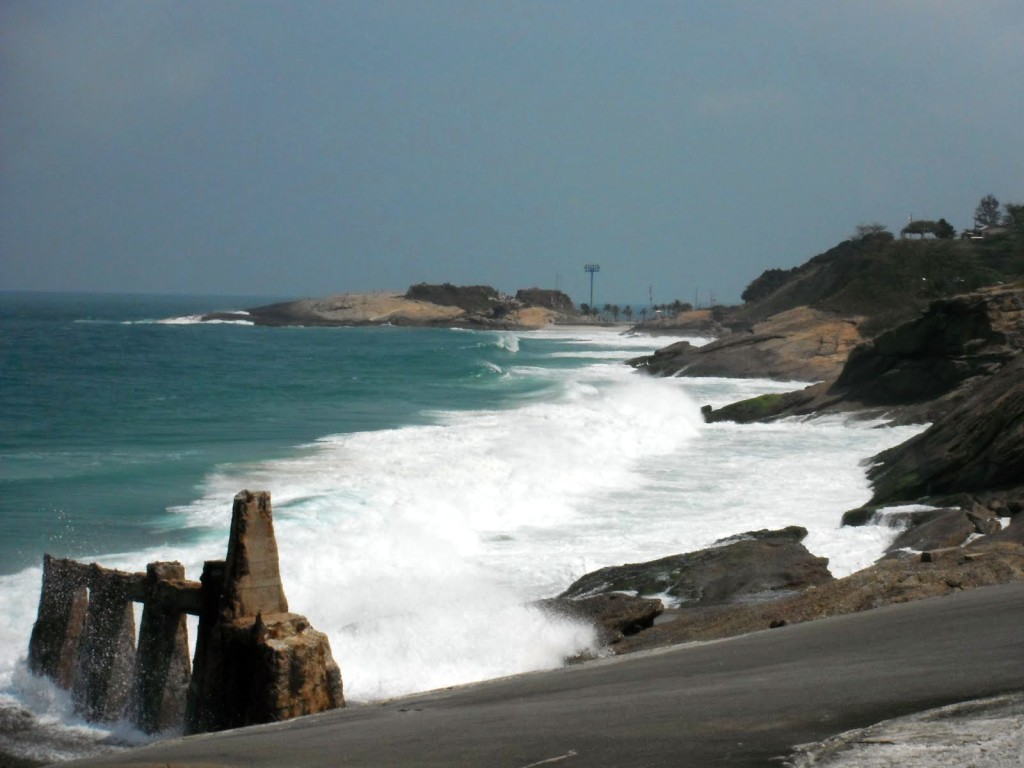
point(978, 446)
point(615, 615)
point(549, 299)
point(955, 340)
point(984, 519)
point(1011, 534)
point(871, 515)
point(913, 373)
point(475, 299)
point(758, 565)
point(949, 529)
point(886, 582)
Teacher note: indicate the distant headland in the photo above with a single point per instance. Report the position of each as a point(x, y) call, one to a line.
point(423, 305)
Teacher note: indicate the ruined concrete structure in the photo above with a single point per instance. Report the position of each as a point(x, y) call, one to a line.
point(254, 662)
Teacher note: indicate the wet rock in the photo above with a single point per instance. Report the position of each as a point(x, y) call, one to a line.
point(60, 622)
point(106, 653)
point(615, 615)
point(162, 669)
point(949, 528)
point(977, 447)
point(753, 566)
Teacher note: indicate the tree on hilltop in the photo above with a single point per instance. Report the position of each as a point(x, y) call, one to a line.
point(987, 212)
point(872, 229)
point(944, 230)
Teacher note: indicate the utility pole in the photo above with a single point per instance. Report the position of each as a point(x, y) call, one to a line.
point(592, 268)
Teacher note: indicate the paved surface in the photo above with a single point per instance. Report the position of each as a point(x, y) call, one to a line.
point(743, 701)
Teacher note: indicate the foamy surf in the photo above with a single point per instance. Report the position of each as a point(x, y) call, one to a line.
point(418, 549)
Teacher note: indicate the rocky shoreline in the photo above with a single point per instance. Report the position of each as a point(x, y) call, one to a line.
point(955, 492)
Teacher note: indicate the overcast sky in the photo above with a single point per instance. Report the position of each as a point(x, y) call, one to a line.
point(306, 148)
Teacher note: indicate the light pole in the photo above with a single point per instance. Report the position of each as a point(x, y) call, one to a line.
point(592, 268)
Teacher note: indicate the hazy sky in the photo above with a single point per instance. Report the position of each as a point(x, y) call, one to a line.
point(305, 148)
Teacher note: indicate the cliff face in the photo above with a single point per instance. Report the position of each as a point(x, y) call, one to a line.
point(978, 447)
point(916, 372)
point(956, 340)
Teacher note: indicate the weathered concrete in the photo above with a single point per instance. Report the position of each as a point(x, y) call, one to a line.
point(252, 575)
point(255, 662)
point(106, 654)
point(162, 669)
point(53, 647)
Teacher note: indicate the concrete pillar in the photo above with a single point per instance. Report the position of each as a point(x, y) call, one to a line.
point(162, 670)
point(106, 653)
point(252, 577)
point(63, 601)
point(198, 708)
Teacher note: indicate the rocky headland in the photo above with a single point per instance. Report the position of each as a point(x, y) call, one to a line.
point(423, 305)
point(885, 334)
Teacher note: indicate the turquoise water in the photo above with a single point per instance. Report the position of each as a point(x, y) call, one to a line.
point(110, 415)
point(427, 484)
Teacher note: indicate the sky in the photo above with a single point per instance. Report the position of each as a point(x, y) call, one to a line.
point(309, 148)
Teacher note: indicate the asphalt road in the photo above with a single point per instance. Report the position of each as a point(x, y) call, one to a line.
point(744, 701)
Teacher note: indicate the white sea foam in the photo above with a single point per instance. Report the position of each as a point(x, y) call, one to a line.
point(417, 549)
point(193, 320)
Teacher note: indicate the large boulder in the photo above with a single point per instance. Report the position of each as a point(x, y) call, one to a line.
point(949, 528)
point(799, 344)
point(752, 566)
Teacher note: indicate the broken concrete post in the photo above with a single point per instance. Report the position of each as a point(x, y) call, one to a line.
point(162, 671)
point(53, 647)
point(196, 714)
point(257, 663)
point(252, 577)
point(106, 653)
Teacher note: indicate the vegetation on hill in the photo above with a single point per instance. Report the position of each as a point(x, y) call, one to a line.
point(889, 280)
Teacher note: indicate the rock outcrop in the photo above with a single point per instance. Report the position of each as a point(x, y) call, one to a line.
point(759, 565)
point(976, 448)
point(916, 372)
point(984, 562)
point(799, 344)
point(423, 305)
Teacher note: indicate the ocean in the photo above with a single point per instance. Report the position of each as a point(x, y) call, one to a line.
point(427, 484)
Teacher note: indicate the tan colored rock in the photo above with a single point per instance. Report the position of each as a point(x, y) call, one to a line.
point(800, 344)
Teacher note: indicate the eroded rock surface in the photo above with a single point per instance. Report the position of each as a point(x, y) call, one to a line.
point(753, 566)
point(799, 344)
